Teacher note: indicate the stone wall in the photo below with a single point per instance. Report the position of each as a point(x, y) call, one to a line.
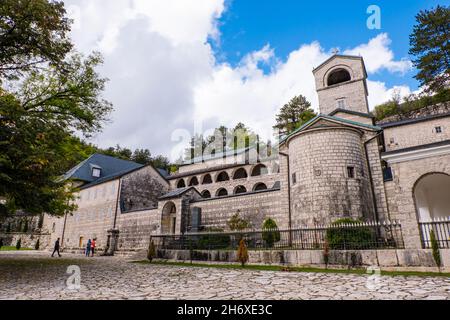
point(400, 192)
point(416, 134)
point(141, 189)
point(324, 192)
point(419, 259)
point(136, 227)
point(255, 207)
point(28, 240)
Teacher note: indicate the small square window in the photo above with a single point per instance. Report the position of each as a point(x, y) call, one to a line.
point(294, 178)
point(341, 104)
point(438, 129)
point(351, 172)
point(96, 172)
point(392, 140)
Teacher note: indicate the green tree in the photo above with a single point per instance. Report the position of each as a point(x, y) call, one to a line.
point(36, 246)
point(50, 95)
point(19, 244)
point(430, 46)
point(142, 156)
point(151, 252)
point(435, 250)
point(236, 223)
point(294, 114)
point(270, 232)
point(32, 33)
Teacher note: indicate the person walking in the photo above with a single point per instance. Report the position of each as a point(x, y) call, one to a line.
point(88, 248)
point(56, 248)
point(92, 247)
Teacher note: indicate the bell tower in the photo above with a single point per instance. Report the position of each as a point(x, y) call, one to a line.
point(341, 84)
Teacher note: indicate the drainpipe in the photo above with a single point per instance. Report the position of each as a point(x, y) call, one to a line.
point(64, 230)
point(289, 197)
point(113, 233)
point(370, 175)
point(117, 202)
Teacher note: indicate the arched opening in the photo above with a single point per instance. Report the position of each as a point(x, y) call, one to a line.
point(276, 168)
point(193, 182)
point(207, 179)
point(259, 170)
point(181, 184)
point(223, 176)
point(240, 174)
point(222, 192)
point(240, 189)
point(338, 76)
point(169, 218)
point(260, 186)
point(432, 196)
point(206, 194)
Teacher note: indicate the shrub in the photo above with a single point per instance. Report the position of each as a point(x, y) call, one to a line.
point(36, 246)
point(19, 244)
point(236, 223)
point(216, 241)
point(25, 226)
point(1, 243)
point(242, 253)
point(356, 238)
point(270, 232)
point(435, 249)
point(151, 253)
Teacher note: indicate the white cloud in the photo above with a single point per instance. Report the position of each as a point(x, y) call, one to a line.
point(377, 55)
point(164, 75)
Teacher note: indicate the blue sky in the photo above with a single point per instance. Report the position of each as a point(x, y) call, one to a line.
point(249, 25)
point(178, 67)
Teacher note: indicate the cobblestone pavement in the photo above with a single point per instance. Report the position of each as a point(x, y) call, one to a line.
point(30, 275)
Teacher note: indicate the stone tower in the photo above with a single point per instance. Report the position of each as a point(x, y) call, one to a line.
point(341, 84)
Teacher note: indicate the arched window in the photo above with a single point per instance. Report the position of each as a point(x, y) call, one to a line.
point(259, 170)
point(193, 182)
point(338, 76)
point(181, 183)
point(207, 179)
point(206, 194)
point(222, 192)
point(240, 189)
point(168, 218)
point(240, 174)
point(431, 194)
point(223, 176)
point(259, 187)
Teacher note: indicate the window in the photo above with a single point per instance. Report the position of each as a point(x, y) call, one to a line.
point(294, 178)
point(259, 187)
point(96, 172)
point(351, 172)
point(392, 140)
point(240, 189)
point(338, 76)
point(341, 104)
point(222, 192)
point(438, 129)
point(53, 227)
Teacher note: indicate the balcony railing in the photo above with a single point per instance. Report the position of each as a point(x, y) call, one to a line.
point(441, 228)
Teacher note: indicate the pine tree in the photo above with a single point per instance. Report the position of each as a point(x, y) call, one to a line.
point(19, 244)
point(294, 114)
point(435, 250)
point(151, 253)
point(429, 43)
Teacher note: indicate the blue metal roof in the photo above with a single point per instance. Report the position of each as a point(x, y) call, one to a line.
point(109, 166)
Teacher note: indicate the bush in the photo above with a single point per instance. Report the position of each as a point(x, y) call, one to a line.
point(242, 253)
point(151, 253)
point(435, 250)
point(19, 244)
point(326, 253)
point(216, 241)
point(236, 223)
point(1, 243)
point(345, 238)
point(270, 233)
point(36, 246)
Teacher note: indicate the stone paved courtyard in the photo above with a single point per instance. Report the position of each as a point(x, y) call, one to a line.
point(31, 275)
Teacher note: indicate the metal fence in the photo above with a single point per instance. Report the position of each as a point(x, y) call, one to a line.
point(355, 236)
point(441, 229)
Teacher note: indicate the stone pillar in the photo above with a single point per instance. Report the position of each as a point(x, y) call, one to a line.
point(113, 236)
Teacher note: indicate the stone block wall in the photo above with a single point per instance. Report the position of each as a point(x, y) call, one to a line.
point(416, 134)
point(28, 240)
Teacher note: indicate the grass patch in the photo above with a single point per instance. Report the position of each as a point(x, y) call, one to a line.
point(13, 248)
point(292, 269)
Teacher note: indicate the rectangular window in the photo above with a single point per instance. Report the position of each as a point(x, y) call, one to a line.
point(294, 178)
point(341, 104)
point(96, 172)
point(438, 129)
point(351, 172)
point(391, 140)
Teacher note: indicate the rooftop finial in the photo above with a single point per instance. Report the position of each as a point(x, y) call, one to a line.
point(335, 51)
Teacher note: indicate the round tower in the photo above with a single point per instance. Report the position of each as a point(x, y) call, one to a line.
point(329, 175)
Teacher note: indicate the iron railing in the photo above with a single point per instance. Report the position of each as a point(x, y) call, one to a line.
point(441, 228)
point(354, 236)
